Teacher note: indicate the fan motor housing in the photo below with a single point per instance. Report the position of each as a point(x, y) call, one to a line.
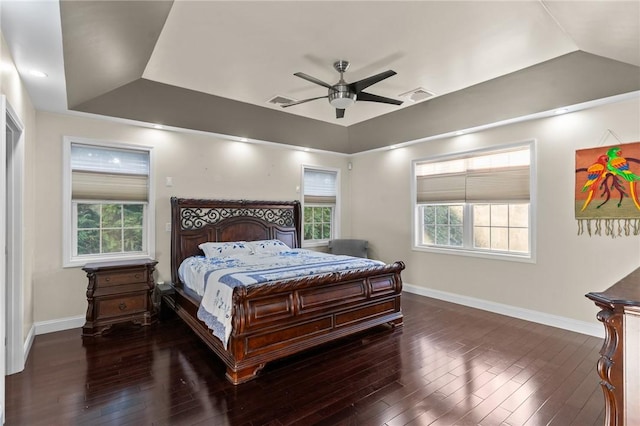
point(340, 96)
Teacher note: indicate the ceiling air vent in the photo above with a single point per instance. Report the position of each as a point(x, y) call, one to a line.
point(417, 95)
point(281, 100)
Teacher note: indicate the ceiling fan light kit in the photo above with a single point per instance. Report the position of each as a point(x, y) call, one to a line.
point(341, 97)
point(342, 94)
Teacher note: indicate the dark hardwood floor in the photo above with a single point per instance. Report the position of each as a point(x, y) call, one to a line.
point(448, 365)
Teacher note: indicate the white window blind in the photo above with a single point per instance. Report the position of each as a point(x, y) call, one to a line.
point(499, 176)
point(99, 173)
point(319, 186)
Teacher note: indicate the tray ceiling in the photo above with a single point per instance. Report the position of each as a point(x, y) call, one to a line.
point(214, 65)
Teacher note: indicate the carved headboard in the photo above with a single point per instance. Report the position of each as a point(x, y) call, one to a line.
point(197, 221)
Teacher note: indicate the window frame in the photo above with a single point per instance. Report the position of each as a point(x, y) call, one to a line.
point(335, 208)
point(69, 208)
point(467, 249)
point(420, 227)
point(74, 221)
point(332, 207)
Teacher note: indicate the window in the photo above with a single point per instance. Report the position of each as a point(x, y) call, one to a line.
point(108, 207)
point(478, 203)
point(320, 205)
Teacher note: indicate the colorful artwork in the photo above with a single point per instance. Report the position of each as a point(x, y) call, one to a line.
point(606, 191)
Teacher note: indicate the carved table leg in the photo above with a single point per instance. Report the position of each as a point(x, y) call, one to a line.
point(610, 366)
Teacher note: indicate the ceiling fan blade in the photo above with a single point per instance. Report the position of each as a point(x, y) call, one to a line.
point(370, 97)
point(312, 79)
point(303, 101)
point(339, 113)
point(360, 85)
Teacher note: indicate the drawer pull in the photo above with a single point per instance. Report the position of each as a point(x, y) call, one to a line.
point(122, 306)
point(107, 279)
point(137, 275)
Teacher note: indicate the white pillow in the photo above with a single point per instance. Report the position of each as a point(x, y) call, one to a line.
point(232, 248)
point(268, 246)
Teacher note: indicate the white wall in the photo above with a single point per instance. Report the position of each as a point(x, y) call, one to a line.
point(568, 266)
point(16, 95)
point(201, 166)
point(376, 206)
point(12, 87)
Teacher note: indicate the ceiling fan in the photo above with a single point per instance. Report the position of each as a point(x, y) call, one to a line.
point(342, 94)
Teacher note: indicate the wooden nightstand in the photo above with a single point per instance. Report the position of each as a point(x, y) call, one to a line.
point(119, 292)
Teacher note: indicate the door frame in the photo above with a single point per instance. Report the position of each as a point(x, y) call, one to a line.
point(14, 199)
point(3, 273)
point(12, 355)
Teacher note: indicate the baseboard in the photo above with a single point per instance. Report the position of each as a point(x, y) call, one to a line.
point(28, 341)
point(511, 311)
point(44, 327)
point(565, 323)
point(26, 348)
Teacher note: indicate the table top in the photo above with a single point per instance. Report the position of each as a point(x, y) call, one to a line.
point(118, 264)
point(625, 292)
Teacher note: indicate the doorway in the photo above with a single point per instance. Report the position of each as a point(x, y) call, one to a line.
point(11, 241)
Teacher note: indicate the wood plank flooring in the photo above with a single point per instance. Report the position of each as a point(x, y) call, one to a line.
point(448, 365)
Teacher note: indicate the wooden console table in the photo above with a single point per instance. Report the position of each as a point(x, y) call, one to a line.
point(619, 363)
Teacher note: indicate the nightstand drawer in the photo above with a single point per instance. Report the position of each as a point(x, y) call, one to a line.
point(121, 306)
point(124, 277)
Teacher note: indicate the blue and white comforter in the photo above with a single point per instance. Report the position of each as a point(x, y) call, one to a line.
point(215, 278)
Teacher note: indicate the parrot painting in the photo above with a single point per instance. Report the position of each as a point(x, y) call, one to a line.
point(595, 173)
point(619, 166)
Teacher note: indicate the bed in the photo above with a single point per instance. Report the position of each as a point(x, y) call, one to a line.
point(282, 317)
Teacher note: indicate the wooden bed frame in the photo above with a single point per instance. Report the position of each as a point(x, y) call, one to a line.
point(281, 318)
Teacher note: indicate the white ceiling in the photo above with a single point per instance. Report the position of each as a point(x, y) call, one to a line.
point(248, 51)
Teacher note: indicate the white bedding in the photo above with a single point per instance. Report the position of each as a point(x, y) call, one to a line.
point(214, 278)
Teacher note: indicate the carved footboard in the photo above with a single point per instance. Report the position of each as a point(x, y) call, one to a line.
point(280, 319)
point(283, 318)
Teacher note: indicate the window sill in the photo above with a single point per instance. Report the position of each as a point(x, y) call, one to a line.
point(510, 257)
point(314, 244)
